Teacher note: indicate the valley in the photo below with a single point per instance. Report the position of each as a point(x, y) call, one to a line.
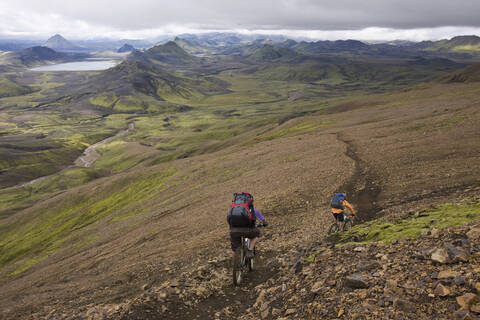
point(139, 223)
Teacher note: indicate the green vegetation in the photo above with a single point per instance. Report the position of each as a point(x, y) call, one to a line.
point(31, 239)
point(300, 128)
point(16, 198)
point(440, 217)
point(9, 88)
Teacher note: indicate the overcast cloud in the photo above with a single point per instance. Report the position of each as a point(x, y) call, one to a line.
point(317, 19)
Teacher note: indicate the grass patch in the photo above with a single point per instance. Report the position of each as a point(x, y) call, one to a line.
point(104, 101)
point(300, 128)
point(440, 217)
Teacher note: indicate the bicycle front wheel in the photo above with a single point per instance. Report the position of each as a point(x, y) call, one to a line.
point(333, 228)
point(348, 225)
point(237, 266)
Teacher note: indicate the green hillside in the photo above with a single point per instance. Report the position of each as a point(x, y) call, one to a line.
point(469, 74)
point(137, 86)
point(10, 88)
point(169, 53)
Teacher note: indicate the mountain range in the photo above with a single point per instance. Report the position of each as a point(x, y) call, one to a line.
point(105, 176)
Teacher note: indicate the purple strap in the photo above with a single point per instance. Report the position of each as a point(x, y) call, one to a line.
point(259, 215)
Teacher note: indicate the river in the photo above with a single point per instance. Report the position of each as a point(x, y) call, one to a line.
point(89, 156)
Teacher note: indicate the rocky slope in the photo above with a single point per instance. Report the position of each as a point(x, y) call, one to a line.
point(434, 276)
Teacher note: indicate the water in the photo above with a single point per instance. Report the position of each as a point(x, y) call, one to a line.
point(87, 65)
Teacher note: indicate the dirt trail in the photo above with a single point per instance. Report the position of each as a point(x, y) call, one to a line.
point(234, 302)
point(361, 189)
point(230, 301)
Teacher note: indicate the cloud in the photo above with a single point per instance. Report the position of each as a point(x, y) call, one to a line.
point(320, 19)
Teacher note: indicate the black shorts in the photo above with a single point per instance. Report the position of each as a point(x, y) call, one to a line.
point(237, 233)
point(339, 216)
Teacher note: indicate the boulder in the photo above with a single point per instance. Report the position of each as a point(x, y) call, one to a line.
point(440, 255)
point(445, 274)
point(356, 281)
point(474, 233)
point(441, 290)
point(465, 300)
point(456, 254)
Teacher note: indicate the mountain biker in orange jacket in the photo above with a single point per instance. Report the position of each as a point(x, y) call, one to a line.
point(338, 204)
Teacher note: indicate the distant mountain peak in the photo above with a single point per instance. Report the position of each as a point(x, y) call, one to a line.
point(57, 42)
point(126, 48)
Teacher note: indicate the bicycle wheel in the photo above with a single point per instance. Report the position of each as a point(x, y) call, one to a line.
point(251, 262)
point(348, 225)
point(333, 228)
point(237, 265)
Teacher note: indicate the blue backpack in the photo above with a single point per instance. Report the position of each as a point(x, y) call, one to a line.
point(337, 200)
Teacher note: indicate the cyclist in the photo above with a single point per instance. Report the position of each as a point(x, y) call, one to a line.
point(338, 204)
point(242, 221)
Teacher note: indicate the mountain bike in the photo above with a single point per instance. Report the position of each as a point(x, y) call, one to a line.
point(346, 226)
point(241, 264)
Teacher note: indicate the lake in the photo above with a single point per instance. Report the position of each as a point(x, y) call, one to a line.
point(87, 65)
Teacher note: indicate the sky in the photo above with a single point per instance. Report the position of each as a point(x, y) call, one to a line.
point(313, 19)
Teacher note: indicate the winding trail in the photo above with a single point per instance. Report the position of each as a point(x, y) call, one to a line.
point(361, 188)
point(235, 302)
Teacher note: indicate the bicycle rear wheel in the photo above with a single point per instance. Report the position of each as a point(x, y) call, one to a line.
point(237, 265)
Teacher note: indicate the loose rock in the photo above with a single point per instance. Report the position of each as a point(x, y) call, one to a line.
point(440, 255)
point(356, 281)
point(441, 290)
point(465, 300)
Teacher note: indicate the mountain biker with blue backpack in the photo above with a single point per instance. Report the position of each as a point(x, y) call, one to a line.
point(242, 218)
point(338, 204)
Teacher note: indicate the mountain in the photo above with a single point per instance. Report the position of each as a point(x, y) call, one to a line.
point(169, 53)
point(190, 47)
point(126, 48)
point(59, 43)
point(30, 56)
point(289, 43)
point(268, 53)
point(459, 44)
point(134, 86)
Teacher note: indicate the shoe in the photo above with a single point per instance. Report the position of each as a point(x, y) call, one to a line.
point(249, 254)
